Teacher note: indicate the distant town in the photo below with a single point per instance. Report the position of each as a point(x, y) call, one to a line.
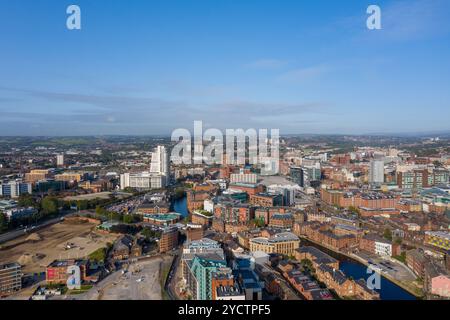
point(113, 218)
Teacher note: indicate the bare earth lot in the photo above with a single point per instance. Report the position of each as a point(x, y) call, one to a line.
point(35, 251)
point(142, 281)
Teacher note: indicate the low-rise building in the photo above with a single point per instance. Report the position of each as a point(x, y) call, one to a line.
point(202, 217)
point(284, 243)
point(440, 239)
point(416, 261)
point(377, 245)
point(169, 239)
point(266, 200)
point(282, 221)
point(57, 271)
point(10, 278)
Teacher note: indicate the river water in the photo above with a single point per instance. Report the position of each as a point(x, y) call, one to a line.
point(388, 290)
point(180, 206)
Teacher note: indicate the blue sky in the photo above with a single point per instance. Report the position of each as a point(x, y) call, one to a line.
point(148, 67)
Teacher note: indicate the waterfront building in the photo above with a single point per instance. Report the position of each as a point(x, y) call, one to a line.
point(283, 243)
point(416, 261)
point(377, 245)
point(202, 217)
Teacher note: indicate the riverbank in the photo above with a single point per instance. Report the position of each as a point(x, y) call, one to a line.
point(359, 260)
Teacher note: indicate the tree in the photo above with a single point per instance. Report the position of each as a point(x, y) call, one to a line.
point(260, 223)
point(149, 233)
point(82, 205)
point(437, 163)
point(130, 218)
point(179, 193)
point(26, 200)
point(49, 206)
point(3, 222)
point(387, 234)
point(353, 209)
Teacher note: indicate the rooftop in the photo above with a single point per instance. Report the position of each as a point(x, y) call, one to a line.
point(440, 234)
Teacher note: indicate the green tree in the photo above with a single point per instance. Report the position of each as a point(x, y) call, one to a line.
point(3, 222)
point(179, 193)
point(82, 205)
point(437, 163)
point(353, 209)
point(49, 206)
point(387, 234)
point(260, 223)
point(26, 200)
point(131, 218)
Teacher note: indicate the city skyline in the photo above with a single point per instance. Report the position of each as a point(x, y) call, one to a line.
point(149, 68)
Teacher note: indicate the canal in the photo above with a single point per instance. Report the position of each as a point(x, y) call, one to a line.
point(180, 206)
point(357, 270)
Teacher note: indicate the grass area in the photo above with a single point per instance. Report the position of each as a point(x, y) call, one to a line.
point(83, 289)
point(401, 258)
point(205, 213)
point(98, 255)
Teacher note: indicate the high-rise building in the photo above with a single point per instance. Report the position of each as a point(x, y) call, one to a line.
point(297, 175)
point(376, 171)
point(60, 160)
point(304, 176)
point(160, 162)
point(202, 268)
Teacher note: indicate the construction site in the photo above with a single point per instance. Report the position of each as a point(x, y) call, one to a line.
point(69, 239)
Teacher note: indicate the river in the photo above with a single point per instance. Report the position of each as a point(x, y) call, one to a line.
point(357, 270)
point(180, 206)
